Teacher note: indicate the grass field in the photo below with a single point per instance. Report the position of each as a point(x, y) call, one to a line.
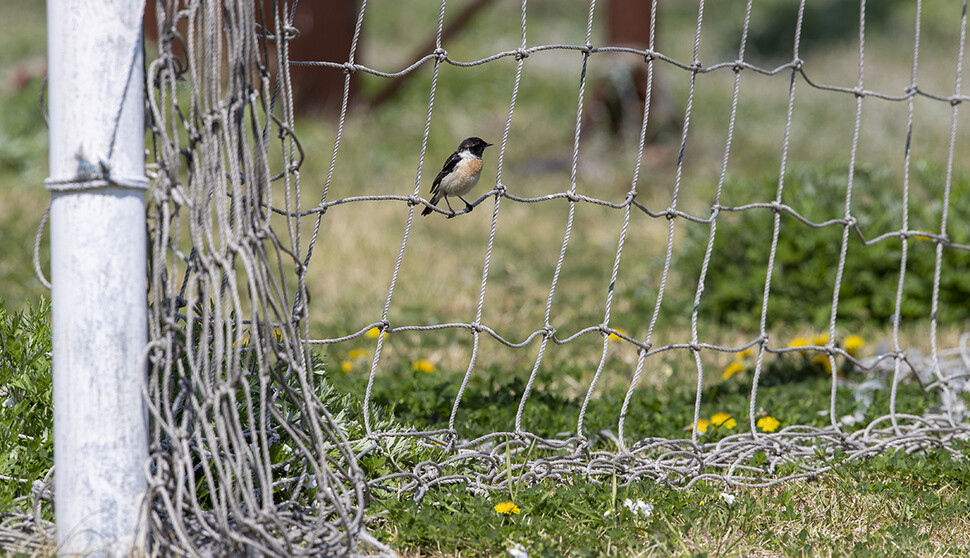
point(891, 505)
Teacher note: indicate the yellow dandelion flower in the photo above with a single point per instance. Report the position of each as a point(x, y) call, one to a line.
point(724, 420)
point(346, 366)
point(798, 342)
point(853, 343)
point(744, 354)
point(507, 508)
point(732, 369)
point(422, 366)
point(768, 424)
point(615, 337)
point(354, 354)
point(373, 333)
point(277, 335)
point(701, 426)
point(824, 361)
point(821, 339)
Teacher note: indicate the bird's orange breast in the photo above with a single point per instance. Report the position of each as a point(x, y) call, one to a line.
point(463, 178)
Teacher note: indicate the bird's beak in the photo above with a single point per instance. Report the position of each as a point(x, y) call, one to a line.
point(488, 144)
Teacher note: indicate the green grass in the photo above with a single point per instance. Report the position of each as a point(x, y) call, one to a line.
point(26, 414)
point(892, 505)
point(793, 389)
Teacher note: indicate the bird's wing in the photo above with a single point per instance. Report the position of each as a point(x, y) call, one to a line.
point(445, 170)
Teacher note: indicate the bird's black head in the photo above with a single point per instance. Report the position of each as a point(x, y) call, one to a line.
point(475, 145)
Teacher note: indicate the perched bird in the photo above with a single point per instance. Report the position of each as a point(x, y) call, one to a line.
point(459, 174)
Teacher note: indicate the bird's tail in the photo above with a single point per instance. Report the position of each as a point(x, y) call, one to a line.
point(434, 201)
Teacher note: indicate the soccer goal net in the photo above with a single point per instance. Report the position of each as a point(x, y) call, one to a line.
point(735, 252)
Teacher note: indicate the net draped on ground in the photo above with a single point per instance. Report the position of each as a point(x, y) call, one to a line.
point(251, 449)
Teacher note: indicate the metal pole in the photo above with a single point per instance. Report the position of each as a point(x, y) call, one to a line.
point(98, 273)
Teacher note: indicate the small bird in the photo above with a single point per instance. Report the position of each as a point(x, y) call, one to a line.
point(459, 174)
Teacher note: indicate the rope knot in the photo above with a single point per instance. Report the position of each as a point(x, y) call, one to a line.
point(521, 53)
point(290, 33)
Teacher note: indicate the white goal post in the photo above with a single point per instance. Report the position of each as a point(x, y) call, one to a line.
point(98, 261)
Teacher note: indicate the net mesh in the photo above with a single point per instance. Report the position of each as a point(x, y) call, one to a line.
point(253, 449)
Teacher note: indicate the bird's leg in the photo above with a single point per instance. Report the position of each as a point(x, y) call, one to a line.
point(468, 206)
point(449, 207)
